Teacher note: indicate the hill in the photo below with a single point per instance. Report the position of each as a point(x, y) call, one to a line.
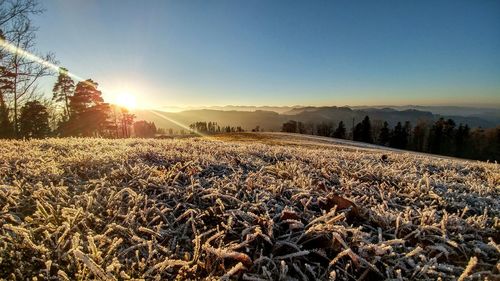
point(243, 206)
point(272, 121)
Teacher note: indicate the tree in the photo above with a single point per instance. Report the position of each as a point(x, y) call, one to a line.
point(449, 137)
point(396, 136)
point(63, 90)
point(362, 131)
point(290, 127)
point(144, 129)
point(18, 37)
point(436, 136)
point(13, 10)
point(366, 130)
point(127, 120)
point(441, 137)
point(34, 120)
point(6, 86)
point(462, 137)
point(120, 123)
point(385, 134)
point(88, 112)
point(340, 132)
point(419, 138)
point(6, 130)
point(325, 129)
point(405, 135)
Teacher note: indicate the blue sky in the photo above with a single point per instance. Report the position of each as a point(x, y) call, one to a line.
point(256, 52)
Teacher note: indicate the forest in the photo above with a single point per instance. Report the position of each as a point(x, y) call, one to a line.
point(443, 137)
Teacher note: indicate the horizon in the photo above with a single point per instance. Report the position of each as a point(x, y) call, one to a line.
point(284, 108)
point(199, 54)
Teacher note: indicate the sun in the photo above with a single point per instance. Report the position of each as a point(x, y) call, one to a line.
point(126, 100)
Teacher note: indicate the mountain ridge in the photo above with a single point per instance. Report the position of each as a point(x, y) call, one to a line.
point(272, 121)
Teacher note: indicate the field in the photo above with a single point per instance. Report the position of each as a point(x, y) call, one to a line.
point(247, 207)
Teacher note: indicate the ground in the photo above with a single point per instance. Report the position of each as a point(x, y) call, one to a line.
point(243, 206)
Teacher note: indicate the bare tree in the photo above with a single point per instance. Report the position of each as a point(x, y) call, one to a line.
point(18, 31)
point(12, 10)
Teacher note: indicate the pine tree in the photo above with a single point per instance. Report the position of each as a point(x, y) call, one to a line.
point(88, 112)
point(63, 90)
point(340, 132)
point(419, 136)
point(405, 135)
point(363, 131)
point(396, 136)
point(357, 133)
point(462, 140)
point(436, 137)
point(366, 130)
point(34, 120)
point(449, 137)
point(385, 134)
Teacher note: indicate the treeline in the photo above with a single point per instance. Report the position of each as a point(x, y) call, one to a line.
point(75, 109)
point(212, 128)
point(442, 137)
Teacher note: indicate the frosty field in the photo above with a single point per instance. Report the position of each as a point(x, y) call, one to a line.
point(247, 207)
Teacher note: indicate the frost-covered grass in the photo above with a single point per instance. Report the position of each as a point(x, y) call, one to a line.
point(78, 209)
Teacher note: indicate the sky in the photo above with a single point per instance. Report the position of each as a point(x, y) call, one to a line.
point(259, 52)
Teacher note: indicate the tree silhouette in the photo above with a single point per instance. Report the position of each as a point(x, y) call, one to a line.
point(419, 136)
point(293, 126)
point(357, 132)
point(6, 129)
point(325, 129)
point(396, 136)
point(144, 129)
point(385, 134)
point(435, 137)
point(6, 86)
point(405, 135)
point(461, 140)
point(367, 130)
point(63, 90)
point(88, 112)
point(363, 131)
point(448, 147)
point(441, 137)
point(34, 120)
point(127, 119)
point(340, 132)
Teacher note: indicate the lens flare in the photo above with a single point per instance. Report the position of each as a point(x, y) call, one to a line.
point(22, 53)
point(176, 122)
point(126, 100)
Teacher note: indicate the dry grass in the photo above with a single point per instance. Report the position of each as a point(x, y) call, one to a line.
point(78, 209)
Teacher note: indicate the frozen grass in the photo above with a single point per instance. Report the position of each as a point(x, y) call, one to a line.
point(78, 209)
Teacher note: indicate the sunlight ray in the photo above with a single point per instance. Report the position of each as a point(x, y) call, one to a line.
point(11, 48)
point(176, 122)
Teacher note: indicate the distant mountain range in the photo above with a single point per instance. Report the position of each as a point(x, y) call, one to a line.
point(271, 118)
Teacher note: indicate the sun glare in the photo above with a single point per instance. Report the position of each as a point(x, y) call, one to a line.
point(126, 100)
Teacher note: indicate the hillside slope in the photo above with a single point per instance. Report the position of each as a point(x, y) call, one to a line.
point(273, 121)
point(254, 207)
